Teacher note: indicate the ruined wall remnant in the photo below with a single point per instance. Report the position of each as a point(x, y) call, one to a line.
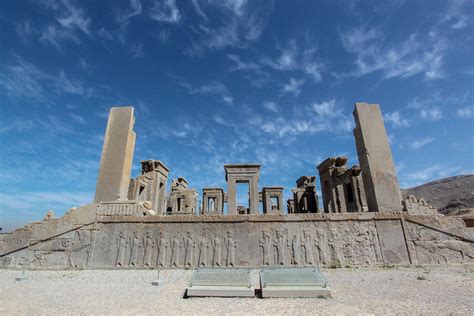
point(342, 188)
point(375, 158)
point(182, 200)
point(150, 185)
point(117, 155)
point(122, 237)
point(418, 206)
point(305, 197)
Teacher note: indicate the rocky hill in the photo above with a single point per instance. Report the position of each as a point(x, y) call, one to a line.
point(449, 195)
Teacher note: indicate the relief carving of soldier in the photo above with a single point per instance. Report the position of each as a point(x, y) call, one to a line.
point(294, 250)
point(306, 247)
point(231, 245)
point(265, 248)
point(136, 245)
point(203, 246)
point(122, 244)
point(279, 245)
point(217, 253)
point(150, 245)
point(175, 251)
point(163, 245)
point(189, 245)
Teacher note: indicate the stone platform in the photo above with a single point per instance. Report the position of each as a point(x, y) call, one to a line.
point(293, 282)
point(221, 282)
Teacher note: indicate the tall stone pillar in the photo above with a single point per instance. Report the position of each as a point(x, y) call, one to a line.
point(117, 155)
point(375, 158)
point(231, 197)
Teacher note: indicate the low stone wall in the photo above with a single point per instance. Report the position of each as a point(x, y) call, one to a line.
point(351, 239)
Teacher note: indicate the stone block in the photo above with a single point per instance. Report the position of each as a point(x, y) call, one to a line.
point(293, 282)
point(221, 282)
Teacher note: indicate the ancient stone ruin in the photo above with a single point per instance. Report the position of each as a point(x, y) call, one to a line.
point(137, 223)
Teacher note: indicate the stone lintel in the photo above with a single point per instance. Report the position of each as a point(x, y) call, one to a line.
point(305, 180)
point(158, 165)
point(326, 164)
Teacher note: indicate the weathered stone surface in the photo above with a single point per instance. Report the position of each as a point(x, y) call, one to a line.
point(242, 173)
point(182, 200)
point(342, 188)
point(305, 198)
point(418, 206)
point(212, 201)
point(117, 155)
point(272, 200)
point(180, 241)
point(120, 233)
point(150, 186)
point(375, 158)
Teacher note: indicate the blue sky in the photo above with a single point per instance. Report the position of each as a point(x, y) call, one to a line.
point(227, 81)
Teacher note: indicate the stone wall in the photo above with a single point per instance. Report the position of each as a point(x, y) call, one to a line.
point(351, 239)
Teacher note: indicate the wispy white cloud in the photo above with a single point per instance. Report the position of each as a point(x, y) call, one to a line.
point(436, 105)
point(257, 76)
point(165, 11)
point(270, 106)
point(396, 119)
point(241, 65)
point(22, 125)
point(293, 86)
point(123, 17)
point(240, 23)
point(198, 9)
point(431, 114)
point(419, 143)
point(31, 200)
point(418, 54)
point(292, 57)
point(214, 88)
point(318, 117)
point(78, 118)
point(137, 50)
point(23, 79)
point(466, 112)
point(457, 14)
point(67, 85)
point(429, 173)
point(71, 21)
point(23, 29)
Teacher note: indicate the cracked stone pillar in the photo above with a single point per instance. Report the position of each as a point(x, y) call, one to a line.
point(375, 158)
point(117, 155)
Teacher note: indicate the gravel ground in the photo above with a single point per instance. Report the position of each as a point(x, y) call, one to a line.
point(354, 291)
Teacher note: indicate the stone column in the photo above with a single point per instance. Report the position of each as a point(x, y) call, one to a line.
point(375, 158)
point(253, 195)
point(117, 155)
point(231, 196)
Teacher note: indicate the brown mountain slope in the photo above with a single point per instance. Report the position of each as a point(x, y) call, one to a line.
point(449, 195)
